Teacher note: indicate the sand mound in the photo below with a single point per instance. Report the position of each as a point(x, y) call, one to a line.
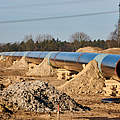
point(38, 96)
point(6, 61)
point(88, 81)
point(89, 49)
point(19, 64)
point(112, 51)
point(43, 69)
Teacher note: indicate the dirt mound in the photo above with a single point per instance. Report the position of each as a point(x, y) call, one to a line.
point(19, 64)
point(39, 97)
point(112, 51)
point(88, 81)
point(5, 61)
point(43, 69)
point(89, 49)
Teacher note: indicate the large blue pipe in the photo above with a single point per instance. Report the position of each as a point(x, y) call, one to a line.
point(109, 64)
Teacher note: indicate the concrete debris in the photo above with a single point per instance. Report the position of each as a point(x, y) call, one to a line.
point(38, 96)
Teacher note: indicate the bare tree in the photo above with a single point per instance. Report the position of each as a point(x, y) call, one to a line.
point(79, 36)
point(113, 40)
point(114, 35)
point(79, 39)
point(42, 37)
point(28, 37)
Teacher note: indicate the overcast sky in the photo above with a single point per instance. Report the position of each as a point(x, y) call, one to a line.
point(96, 27)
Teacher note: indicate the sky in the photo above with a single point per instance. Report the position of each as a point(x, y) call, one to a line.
point(97, 26)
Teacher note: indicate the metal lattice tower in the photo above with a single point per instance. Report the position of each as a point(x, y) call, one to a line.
point(119, 27)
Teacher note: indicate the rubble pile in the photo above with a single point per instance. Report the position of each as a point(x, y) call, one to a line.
point(38, 96)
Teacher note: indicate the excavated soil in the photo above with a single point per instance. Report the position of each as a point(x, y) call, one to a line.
point(88, 81)
point(99, 50)
point(85, 89)
point(9, 66)
point(19, 64)
point(90, 49)
point(111, 51)
point(5, 62)
point(43, 69)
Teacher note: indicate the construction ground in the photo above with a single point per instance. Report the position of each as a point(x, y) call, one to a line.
point(30, 91)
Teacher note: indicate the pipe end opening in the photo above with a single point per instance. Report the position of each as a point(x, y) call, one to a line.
point(117, 70)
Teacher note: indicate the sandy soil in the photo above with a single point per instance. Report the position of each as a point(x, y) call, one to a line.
point(111, 51)
point(99, 111)
point(89, 49)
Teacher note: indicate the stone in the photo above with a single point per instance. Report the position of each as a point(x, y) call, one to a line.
point(38, 96)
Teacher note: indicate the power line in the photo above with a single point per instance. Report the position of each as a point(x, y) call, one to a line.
point(57, 17)
point(41, 5)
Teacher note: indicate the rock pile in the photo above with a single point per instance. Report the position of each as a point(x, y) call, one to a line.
point(38, 96)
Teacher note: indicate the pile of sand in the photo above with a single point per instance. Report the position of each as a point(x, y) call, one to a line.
point(43, 69)
point(111, 51)
point(5, 61)
point(89, 49)
point(19, 64)
point(88, 81)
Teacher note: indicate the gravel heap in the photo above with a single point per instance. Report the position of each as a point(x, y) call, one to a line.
point(38, 96)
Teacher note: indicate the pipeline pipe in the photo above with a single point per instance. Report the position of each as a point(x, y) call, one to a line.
point(109, 64)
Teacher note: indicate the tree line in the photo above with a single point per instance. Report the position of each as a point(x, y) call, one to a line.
point(45, 42)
